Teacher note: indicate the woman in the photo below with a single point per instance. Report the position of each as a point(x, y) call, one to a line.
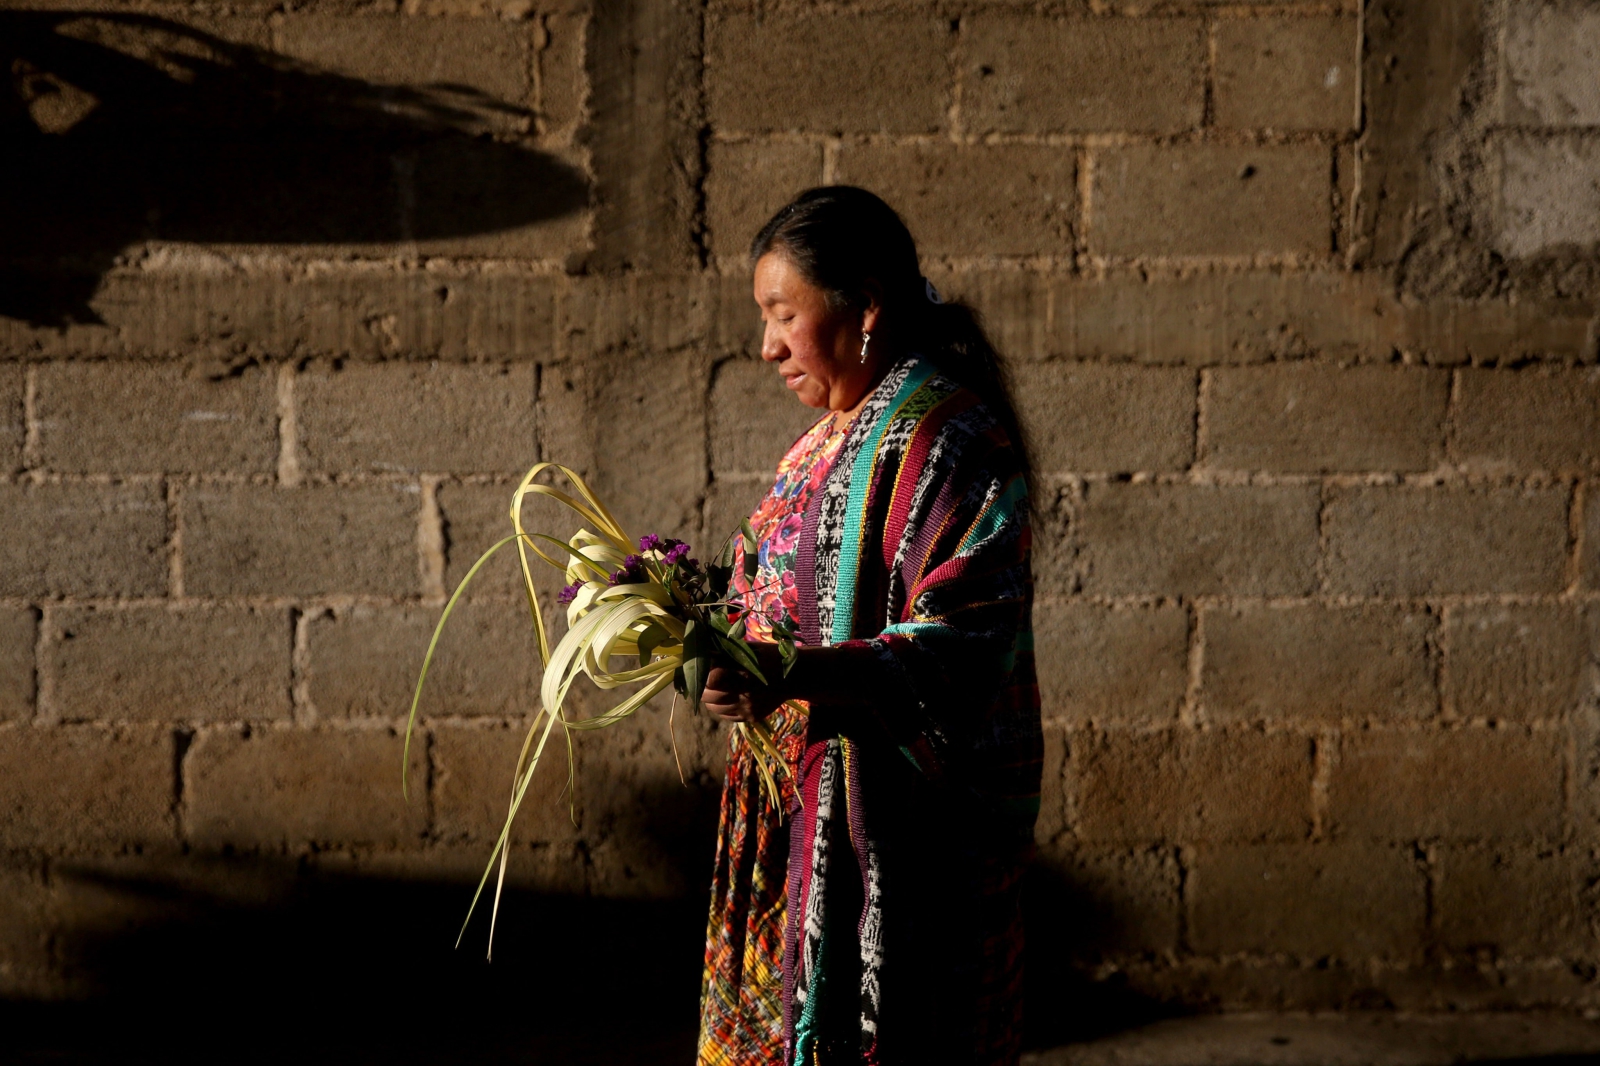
point(876, 920)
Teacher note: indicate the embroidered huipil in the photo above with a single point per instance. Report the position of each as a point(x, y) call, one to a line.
point(741, 1007)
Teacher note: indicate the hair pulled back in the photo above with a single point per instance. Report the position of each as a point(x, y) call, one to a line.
point(853, 246)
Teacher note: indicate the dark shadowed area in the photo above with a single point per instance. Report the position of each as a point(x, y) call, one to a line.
point(299, 966)
point(119, 129)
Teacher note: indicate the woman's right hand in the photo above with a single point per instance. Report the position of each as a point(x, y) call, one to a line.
point(734, 695)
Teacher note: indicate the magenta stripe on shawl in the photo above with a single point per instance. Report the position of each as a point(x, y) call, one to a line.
point(909, 474)
point(802, 834)
point(933, 527)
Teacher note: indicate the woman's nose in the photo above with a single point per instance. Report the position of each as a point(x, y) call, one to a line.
point(771, 345)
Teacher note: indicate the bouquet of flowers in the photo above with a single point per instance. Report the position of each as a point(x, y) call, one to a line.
point(647, 603)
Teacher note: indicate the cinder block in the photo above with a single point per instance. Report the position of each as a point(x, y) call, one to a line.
point(1211, 200)
point(1198, 540)
point(866, 73)
point(1516, 420)
point(18, 632)
point(748, 181)
point(464, 312)
point(1287, 73)
point(1456, 784)
point(1028, 207)
point(473, 771)
point(563, 81)
point(1549, 193)
point(83, 540)
point(120, 417)
point(1515, 902)
point(754, 420)
point(661, 314)
point(1085, 418)
point(438, 417)
point(490, 56)
point(1109, 901)
point(476, 517)
point(284, 786)
point(1314, 418)
point(1190, 786)
point(1344, 901)
point(69, 788)
point(156, 664)
point(258, 540)
point(643, 420)
point(1550, 54)
point(1397, 541)
point(13, 429)
point(1036, 74)
point(1308, 661)
point(1224, 317)
point(364, 661)
point(1517, 663)
point(1102, 664)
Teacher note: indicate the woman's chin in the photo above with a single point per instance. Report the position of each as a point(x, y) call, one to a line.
point(810, 395)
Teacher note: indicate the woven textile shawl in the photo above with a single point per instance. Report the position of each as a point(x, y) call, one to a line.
point(916, 547)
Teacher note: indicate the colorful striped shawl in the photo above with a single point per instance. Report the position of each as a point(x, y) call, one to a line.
point(917, 547)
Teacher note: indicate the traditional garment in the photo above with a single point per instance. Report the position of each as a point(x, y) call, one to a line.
point(741, 999)
point(910, 824)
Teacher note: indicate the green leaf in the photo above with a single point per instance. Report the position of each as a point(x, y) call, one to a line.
point(742, 654)
point(696, 663)
point(649, 639)
point(752, 551)
point(787, 655)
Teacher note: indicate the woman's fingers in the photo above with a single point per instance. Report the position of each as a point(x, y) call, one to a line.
point(725, 695)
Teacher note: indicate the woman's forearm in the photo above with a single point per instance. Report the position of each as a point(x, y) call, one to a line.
point(837, 676)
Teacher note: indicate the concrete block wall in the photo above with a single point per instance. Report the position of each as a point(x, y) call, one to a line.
point(1299, 303)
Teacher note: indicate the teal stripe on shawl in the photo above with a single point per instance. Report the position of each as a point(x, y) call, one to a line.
point(844, 601)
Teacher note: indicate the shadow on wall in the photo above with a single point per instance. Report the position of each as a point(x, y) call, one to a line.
point(118, 129)
point(1066, 927)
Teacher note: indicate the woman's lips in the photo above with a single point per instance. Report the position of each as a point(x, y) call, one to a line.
point(793, 380)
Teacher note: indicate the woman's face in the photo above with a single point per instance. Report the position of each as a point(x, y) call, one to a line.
point(817, 349)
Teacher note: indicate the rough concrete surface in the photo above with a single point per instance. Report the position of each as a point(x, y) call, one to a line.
point(1334, 1040)
point(1298, 300)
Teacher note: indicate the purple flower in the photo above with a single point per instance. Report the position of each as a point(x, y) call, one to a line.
point(632, 562)
point(569, 593)
point(649, 542)
point(676, 554)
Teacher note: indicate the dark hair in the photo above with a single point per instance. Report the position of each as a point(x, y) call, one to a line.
point(846, 241)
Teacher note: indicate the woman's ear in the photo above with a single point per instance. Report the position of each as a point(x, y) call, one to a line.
point(873, 309)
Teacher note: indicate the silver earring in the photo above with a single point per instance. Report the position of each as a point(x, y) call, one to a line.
point(865, 337)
